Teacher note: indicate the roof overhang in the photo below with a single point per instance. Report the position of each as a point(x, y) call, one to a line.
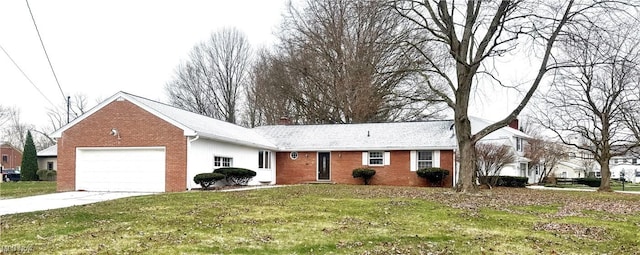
point(120, 96)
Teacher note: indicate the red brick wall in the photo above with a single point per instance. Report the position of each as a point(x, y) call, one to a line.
point(137, 128)
point(301, 170)
point(14, 157)
point(304, 169)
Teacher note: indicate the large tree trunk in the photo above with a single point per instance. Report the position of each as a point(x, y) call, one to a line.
point(605, 174)
point(466, 179)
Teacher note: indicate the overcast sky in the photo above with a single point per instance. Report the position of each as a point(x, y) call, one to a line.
point(98, 48)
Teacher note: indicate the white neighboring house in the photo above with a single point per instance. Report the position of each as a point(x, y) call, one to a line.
point(510, 136)
point(48, 158)
point(627, 164)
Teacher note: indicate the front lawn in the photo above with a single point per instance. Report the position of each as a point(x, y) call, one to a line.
point(25, 189)
point(337, 219)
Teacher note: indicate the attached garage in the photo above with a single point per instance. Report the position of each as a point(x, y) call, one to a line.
point(121, 169)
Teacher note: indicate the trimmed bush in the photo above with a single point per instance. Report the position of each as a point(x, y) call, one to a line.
point(591, 182)
point(510, 181)
point(365, 173)
point(434, 175)
point(46, 175)
point(207, 179)
point(236, 176)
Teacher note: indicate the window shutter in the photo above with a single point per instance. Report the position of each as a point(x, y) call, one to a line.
point(387, 158)
point(413, 158)
point(436, 158)
point(365, 158)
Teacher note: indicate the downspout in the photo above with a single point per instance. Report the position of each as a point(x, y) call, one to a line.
point(189, 141)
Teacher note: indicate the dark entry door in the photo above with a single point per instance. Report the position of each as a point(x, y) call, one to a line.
point(324, 165)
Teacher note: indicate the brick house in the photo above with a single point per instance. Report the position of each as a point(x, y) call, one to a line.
point(130, 143)
point(11, 157)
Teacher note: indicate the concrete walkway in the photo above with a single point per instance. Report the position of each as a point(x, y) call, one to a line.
point(73, 198)
point(59, 200)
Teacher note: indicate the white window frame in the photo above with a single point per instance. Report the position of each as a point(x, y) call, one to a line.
point(381, 158)
point(428, 161)
point(366, 159)
point(413, 157)
point(266, 159)
point(519, 144)
point(219, 161)
point(50, 165)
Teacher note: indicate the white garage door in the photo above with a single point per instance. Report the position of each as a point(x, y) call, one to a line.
point(120, 169)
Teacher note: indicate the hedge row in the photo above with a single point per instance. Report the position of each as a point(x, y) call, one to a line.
point(47, 175)
point(507, 181)
point(233, 176)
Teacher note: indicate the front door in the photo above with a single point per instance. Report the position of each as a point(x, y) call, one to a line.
point(324, 163)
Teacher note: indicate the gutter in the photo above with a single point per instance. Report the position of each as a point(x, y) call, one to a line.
point(189, 141)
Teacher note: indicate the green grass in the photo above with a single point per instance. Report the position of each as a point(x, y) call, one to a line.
point(337, 219)
point(25, 189)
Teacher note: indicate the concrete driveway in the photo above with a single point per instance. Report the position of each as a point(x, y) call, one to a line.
point(59, 200)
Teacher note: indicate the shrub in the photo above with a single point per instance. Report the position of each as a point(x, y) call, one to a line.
point(46, 175)
point(591, 182)
point(434, 175)
point(207, 179)
point(509, 181)
point(365, 173)
point(236, 176)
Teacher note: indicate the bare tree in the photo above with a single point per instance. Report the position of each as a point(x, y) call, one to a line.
point(544, 155)
point(341, 62)
point(592, 99)
point(211, 81)
point(58, 116)
point(14, 131)
point(474, 36)
point(492, 158)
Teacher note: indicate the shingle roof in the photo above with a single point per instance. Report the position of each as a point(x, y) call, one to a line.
point(370, 136)
point(192, 123)
point(49, 152)
point(207, 126)
point(478, 123)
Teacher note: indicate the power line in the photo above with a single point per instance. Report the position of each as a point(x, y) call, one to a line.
point(45, 50)
point(25, 75)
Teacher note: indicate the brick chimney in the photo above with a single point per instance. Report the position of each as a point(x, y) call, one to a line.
point(514, 124)
point(284, 120)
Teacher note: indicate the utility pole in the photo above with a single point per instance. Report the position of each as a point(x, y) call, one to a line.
point(68, 106)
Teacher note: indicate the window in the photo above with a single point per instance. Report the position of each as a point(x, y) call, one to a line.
point(637, 173)
point(615, 161)
point(634, 161)
point(519, 145)
point(564, 175)
point(598, 175)
point(376, 158)
point(293, 155)
point(222, 161)
point(425, 159)
point(264, 159)
point(49, 165)
point(5, 158)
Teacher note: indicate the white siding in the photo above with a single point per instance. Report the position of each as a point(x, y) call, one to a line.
point(202, 151)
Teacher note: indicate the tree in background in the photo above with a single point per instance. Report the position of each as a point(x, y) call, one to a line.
point(340, 62)
point(472, 37)
point(544, 155)
point(13, 131)
point(29, 165)
point(211, 81)
point(492, 158)
point(592, 104)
